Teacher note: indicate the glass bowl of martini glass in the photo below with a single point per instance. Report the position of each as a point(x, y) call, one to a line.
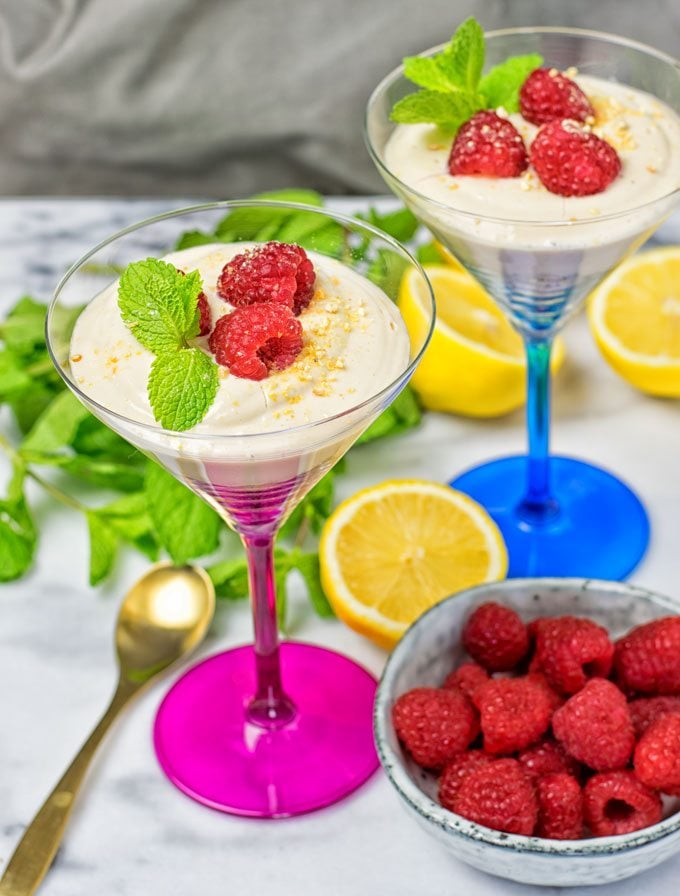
point(539, 255)
point(273, 729)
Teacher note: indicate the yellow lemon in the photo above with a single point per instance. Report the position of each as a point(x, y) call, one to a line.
point(475, 363)
point(392, 551)
point(635, 318)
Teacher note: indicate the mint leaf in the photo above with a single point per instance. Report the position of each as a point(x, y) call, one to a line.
point(13, 377)
point(57, 425)
point(185, 525)
point(404, 413)
point(308, 566)
point(314, 509)
point(230, 578)
point(97, 471)
point(159, 305)
point(95, 439)
point(400, 224)
point(192, 238)
point(262, 224)
point(18, 536)
point(463, 60)
point(428, 254)
point(30, 403)
point(386, 270)
point(23, 330)
point(129, 518)
point(448, 110)
point(103, 547)
point(181, 388)
point(501, 85)
point(426, 72)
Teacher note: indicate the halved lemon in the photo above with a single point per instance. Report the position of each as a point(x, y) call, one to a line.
point(475, 363)
point(394, 550)
point(635, 318)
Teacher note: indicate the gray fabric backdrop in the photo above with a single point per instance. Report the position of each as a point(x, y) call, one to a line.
point(224, 97)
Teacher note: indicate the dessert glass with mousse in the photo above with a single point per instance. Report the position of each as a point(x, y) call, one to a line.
point(539, 253)
point(274, 729)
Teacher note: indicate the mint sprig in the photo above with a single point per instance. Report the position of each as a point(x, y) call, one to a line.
point(453, 86)
point(160, 307)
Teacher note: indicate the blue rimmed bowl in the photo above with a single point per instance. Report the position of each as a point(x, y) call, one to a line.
point(425, 655)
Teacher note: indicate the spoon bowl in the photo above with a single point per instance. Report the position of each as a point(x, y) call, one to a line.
point(164, 616)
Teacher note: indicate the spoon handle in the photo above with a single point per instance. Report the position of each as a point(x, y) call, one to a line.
point(37, 848)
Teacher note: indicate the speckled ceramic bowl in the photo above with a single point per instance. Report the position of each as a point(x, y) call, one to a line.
point(425, 655)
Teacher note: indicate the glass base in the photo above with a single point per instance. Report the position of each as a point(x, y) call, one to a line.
point(210, 751)
point(599, 530)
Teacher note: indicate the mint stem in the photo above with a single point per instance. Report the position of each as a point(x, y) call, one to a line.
point(51, 489)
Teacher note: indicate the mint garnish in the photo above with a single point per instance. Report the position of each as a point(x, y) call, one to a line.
point(182, 387)
point(160, 307)
point(452, 82)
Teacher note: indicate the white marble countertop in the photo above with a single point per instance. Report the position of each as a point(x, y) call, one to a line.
point(132, 833)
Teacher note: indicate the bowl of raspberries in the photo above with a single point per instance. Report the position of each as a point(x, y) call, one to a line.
point(533, 726)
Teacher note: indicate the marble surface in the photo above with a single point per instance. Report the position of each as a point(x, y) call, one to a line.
point(132, 833)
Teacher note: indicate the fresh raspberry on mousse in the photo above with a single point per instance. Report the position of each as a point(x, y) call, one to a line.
point(547, 95)
point(271, 272)
point(572, 161)
point(255, 339)
point(488, 145)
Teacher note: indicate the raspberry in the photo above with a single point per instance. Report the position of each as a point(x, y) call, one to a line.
point(646, 710)
point(434, 725)
point(253, 340)
point(547, 757)
point(594, 726)
point(556, 700)
point(514, 712)
point(456, 771)
point(204, 316)
point(569, 651)
point(500, 796)
point(657, 755)
point(467, 678)
point(547, 95)
point(647, 659)
point(490, 145)
point(496, 637)
point(272, 272)
point(617, 803)
point(560, 807)
point(571, 161)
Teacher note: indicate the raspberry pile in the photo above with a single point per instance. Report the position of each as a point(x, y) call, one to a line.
point(568, 158)
point(552, 729)
point(268, 286)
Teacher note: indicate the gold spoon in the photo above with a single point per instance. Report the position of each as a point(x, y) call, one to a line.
point(164, 616)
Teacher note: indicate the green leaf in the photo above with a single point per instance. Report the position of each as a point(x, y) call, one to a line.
point(13, 377)
point(230, 578)
point(23, 330)
point(428, 254)
point(159, 305)
point(123, 477)
point(57, 426)
point(103, 547)
point(400, 224)
point(314, 509)
point(425, 71)
point(263, 224)
point(33, 401)
point(308, 566)
point(182, 387)
point(130, 519)
point(404, 413)
point(327, 240)
point(462, 60)
point(501, 85)
point(448, 110)
point(96, 439)
point(18, 537)
point(386, 270)
point(185, 525)
point(192, 238)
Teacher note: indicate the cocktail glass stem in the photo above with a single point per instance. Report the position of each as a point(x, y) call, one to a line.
point(270, 706)
point(538, 504)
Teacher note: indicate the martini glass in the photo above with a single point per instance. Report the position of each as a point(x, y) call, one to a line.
point(558, 515)
point(272, 729)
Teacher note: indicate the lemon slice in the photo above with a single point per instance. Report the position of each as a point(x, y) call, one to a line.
point(392, 551)
point(475, 363)
point(635, 318)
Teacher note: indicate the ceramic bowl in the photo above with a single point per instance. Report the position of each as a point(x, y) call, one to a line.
point(424, 656)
